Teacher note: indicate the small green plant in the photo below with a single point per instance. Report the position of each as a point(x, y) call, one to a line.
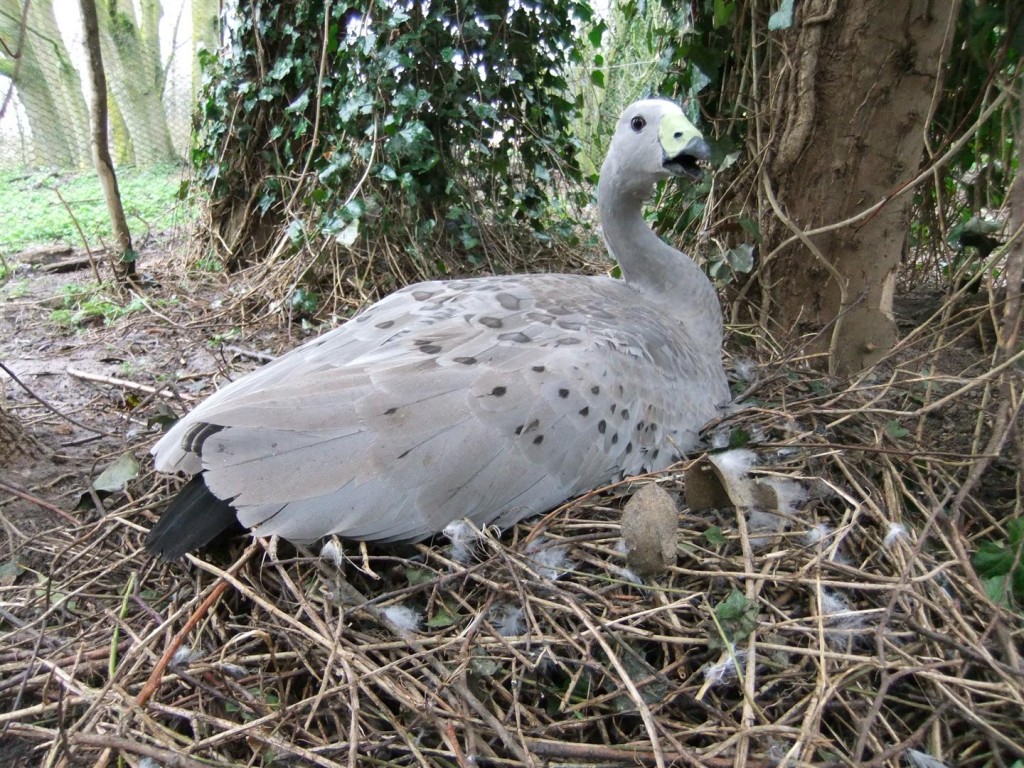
point(17, 290)
point(735, 619)
point(1001, 565)
point(91, 302)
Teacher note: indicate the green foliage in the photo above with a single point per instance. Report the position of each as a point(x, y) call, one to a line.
point(81, 304)
point(985, 59)
point(734, 618)
point(425, 118)
point(1000, 564)
point(33, 214)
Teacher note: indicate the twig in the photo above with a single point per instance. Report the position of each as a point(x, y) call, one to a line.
point(215, 594)
point(49, 407)
point(15, 491)
point(125, 384)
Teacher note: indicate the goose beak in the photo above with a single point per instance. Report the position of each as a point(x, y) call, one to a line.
point(683, 146)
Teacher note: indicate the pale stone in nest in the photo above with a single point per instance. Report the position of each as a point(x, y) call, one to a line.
point(650, 530)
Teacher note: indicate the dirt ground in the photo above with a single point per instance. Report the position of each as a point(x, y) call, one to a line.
point(92, 384)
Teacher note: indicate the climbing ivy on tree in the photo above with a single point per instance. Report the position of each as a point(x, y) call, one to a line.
point(340, 120)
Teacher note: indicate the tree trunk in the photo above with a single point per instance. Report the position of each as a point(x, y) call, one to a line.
point(205, 33)
point(850, 118)
point(124, 266)
point(48, 85)
point(132, 52)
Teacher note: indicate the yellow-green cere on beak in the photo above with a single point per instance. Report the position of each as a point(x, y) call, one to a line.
point(676, 134)
point(684, 146)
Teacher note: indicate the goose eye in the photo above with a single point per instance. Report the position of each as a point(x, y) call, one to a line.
point(637, 123)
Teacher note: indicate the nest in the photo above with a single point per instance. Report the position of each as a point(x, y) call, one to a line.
point(856, 632)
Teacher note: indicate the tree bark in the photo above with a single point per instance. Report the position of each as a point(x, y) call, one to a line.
point(48, 84)
point(132, 49)
point(205, 33)
point(124, 265)
point(850, 116)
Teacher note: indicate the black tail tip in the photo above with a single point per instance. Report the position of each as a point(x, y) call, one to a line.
point(193, 519)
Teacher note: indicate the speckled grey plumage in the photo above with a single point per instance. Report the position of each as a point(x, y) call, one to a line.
point(492, 398)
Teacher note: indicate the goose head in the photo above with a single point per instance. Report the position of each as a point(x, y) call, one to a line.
point(653, 141)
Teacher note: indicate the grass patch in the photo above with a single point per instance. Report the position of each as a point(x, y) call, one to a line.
point(33, 213)
point(93, 303)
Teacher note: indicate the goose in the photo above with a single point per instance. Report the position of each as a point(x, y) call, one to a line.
point(490, 399)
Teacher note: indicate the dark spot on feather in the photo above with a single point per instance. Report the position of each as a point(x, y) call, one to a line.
point(466, 360)
point(639, 426)
point(595, 390)
point(422, 295)
point(621, 389)
point(538, 368)
point(567, 342)
point(629, 447)
point(651, 427)
point(563, 393)
point(508, 301)
point(499, 391)
point(517, 336)
point(403, 454)
point(585, 410)
point(538, 439)
point(569, 325)
point(615, 438)
point(601, 426)
point(385, 324)
point(655, 454)
point(612, 409)
point(430, 349)
point(624, 413)
point(492, 322)
point(391, 411)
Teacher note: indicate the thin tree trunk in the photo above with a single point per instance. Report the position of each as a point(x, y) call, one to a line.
point(124, 265)
point(850, 115)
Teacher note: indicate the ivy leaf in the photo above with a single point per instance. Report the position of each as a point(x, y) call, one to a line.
point(348, 236)
point(299, 104)
point(116, 476)
point(724, 11)
point(995, 589)
point(442, 618)
point(714, 535)
point(741, 258)
point(737, 617)
point(782, 18)
point(895, 430)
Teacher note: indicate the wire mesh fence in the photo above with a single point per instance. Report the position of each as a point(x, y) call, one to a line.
point(149, 62)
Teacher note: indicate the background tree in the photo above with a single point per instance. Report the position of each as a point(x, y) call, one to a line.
point(131, 52)
point(829, 108)
point(34, 56)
